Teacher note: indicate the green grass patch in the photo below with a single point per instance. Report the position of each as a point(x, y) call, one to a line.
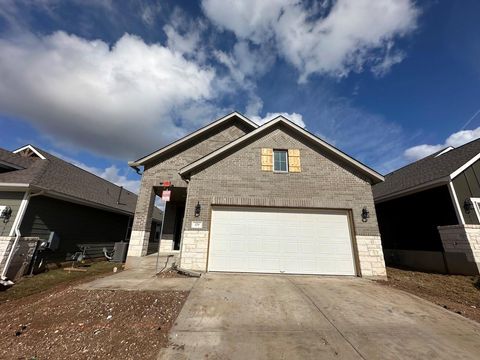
point(31, 285)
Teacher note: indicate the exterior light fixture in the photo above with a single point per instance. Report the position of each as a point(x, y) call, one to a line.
point(468, 205)
point(198, 208)
point(365, 214)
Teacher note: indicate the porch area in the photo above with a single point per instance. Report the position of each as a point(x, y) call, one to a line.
point(149, 238)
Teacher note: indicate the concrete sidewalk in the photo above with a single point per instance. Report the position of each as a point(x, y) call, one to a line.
point(305, 317)
point(139, 280)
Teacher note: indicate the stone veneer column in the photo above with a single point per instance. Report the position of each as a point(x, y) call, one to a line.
point(194, 250)
point(22, 255)
point(6, 243)
point(463, 239)
point(142, 221)
point(370, 254)
point(166, 246)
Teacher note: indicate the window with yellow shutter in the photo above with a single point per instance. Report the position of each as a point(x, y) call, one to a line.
point(294, 160)
point(267, 159)
point(281, 160)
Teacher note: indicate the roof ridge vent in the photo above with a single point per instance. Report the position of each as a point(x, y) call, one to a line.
point(445, 151)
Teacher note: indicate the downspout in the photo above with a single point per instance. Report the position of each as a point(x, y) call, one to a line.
point(4, 280)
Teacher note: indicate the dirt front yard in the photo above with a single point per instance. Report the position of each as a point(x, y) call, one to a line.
point(67, 323)
point(457, 293)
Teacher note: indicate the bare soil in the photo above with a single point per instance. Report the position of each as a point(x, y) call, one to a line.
point(457, 293)
point(66, 323)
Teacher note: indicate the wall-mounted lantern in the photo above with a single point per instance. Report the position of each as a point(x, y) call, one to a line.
point(365, 214)
point(5, 213)
point(468, 205)
point(198, 208)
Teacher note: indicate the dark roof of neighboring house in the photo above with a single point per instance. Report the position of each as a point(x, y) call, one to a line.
point(435, 167)
point(60, 178)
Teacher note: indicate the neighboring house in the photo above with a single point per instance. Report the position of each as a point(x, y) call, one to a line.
point(429, 213)
point(41, 194)
point(267, 199)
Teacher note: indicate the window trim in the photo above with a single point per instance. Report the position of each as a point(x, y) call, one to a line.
point(286, 161)
point(476, 206)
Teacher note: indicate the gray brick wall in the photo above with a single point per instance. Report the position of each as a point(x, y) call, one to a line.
point(325, 182)
point(166, 168)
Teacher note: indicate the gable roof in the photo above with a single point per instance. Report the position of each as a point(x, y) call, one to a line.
point(59, 178)
point(232, 116)
point(29, 149)
point(370, 173)
point(433, 170)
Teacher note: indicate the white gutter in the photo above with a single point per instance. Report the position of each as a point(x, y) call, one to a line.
point(13, 186)
point(16, 230)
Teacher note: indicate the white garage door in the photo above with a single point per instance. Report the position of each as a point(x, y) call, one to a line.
point(270, 240)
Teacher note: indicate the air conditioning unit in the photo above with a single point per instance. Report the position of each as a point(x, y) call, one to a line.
point(120, 252)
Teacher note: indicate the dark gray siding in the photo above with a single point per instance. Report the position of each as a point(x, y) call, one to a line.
point(75, 224)
point(467, 185)
point(410, 222)
point(12, 199)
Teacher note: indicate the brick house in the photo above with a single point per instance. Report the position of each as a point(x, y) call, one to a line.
point(267, 199)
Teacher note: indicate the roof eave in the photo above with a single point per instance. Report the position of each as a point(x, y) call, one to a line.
point(373, 175)
point(13, 186)
point(413, 189)
point(143, 160)
point(464, 166)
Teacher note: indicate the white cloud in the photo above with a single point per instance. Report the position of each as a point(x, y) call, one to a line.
point(456, 139)
point(116, 100)
point(184, 34)
point(293, 117)
point(351, 36)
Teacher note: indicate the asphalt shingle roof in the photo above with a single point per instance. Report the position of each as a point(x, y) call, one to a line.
point(426, 170)
point(55, 174)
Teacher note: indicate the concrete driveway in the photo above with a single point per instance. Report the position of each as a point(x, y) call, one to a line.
point(302, 317)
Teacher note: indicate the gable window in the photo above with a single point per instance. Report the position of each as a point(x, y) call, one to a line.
point(280, 160)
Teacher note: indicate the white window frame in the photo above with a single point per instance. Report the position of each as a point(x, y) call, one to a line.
point(476, 206)
point(286, 161)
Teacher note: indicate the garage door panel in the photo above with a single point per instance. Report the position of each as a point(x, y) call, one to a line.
point(280, 241)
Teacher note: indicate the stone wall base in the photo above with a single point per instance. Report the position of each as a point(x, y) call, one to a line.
point(462, 248)
point(5, 246)
point(370, 256)
point(194, 250)
point(22, 256)
point(138, 245)
point(166, 245)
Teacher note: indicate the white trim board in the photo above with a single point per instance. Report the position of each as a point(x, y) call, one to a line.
point(464, 166)
point(456, 204)
point(141, 161)
point(376, 177)
point(30, 147)
point(13, 186)
point(445, 151)
point(476, 206)
point(21, 212)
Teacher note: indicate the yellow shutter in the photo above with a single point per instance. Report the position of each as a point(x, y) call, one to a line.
point(267, 159)
point(294, 160)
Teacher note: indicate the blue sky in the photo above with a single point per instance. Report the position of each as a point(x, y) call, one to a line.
point(102, 82)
